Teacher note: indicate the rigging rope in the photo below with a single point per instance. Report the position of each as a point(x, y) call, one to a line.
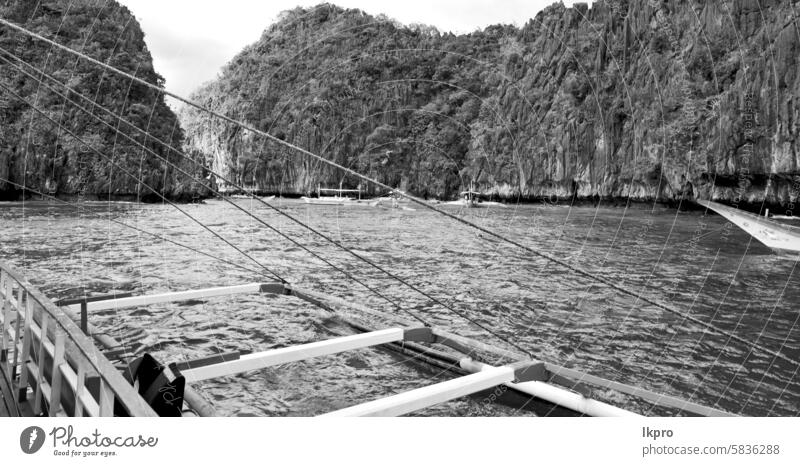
point(133, 227)
point(93, 149)
point(543, 255)
point(202, 183)
point(279, 211)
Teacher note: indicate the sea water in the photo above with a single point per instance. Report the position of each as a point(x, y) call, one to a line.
point(698, 265)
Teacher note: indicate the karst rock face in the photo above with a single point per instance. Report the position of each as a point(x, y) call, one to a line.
point(621, 100)
point(35, 153)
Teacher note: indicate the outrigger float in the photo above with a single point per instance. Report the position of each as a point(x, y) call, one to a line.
point(54, 363)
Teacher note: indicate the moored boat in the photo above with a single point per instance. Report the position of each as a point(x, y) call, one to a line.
point(327, 200)
point(470, 198)
point(340, 196)
point(781, 238)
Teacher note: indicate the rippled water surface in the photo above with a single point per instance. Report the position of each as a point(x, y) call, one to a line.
point(688, 261)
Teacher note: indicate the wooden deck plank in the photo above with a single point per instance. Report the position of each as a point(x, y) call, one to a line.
point(293, 353)
point(40, 358)
point(55, 378)
point(106, 400)
point(26, 350)
point(82, 398)
point(408, 402)
point(7, 311)
point(18, 318)
point(8, 404)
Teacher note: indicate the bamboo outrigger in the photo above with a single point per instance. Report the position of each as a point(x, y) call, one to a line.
point(51, 365)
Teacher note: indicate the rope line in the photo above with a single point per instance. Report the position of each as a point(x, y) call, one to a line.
point(85, 143)
point(322, 159)
point(414, 199)
point(135, 228)
point(207, 186)
point(322, 235)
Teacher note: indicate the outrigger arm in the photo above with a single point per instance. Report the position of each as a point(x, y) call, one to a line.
point(534, 378)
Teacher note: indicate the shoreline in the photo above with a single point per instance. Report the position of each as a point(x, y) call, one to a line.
point(687, 205)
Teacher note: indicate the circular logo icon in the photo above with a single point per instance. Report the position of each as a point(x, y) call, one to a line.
point(31, 439)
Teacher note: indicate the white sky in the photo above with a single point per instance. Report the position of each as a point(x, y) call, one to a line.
point(192, 39)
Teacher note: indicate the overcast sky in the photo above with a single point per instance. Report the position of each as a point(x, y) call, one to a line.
point(191, 39)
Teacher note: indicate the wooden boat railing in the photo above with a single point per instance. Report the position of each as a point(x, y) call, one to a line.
point(48, 365)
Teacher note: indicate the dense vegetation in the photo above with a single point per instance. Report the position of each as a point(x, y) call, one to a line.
point(35, 153)
point(620, 99)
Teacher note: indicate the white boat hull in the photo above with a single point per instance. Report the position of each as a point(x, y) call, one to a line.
point(327, 200)
point(781, 238)
point(465, 203)
point(346, 201)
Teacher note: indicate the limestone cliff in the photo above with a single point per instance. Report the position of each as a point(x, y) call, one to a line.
point(620, 100)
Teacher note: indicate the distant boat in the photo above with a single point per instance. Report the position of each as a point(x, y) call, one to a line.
point(473, 199)
point(327, 200)
point(394, 201)
point(340, 196)
point(470, 198)
point(777, 236)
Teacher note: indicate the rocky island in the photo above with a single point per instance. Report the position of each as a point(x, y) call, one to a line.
point(639, 99)
point(623, 99)
point(36, 154)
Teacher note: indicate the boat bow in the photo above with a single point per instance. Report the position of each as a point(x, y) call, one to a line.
point(776, 236)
